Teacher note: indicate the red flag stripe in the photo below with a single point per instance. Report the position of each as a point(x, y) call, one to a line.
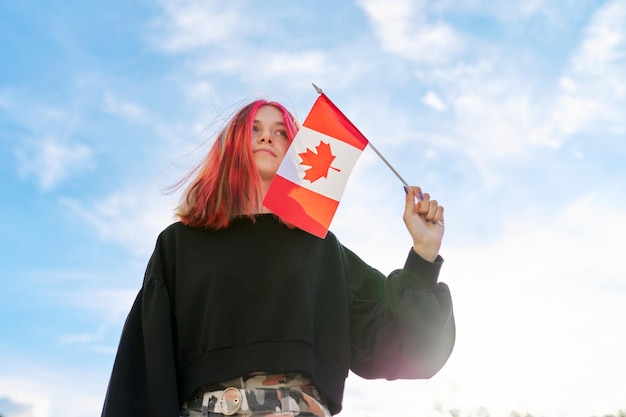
point(338, 127)
point(304, 208)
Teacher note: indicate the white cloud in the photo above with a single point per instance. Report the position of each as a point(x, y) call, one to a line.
point(494, 122)
point(294, 70)
point(18, 389)
point(45, 149)
point(594, 94)
point(493, 113)
point(52, 161)
point(43, 390)
point(433, 100)
point(73, 339)
point(131, 218)
point(504, 113)
point(199, 90)
point(545, 14)
point(128, 110)
point(192, 24)
point(14, 409)
point(513, 11)
point(403, 28)
point(572, 114)
point(112, 304)
point(567, 84)
point(499, 111)
point(604, 42)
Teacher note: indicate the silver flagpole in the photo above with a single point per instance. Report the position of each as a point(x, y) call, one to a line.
point(406, 185)
point(320, 91)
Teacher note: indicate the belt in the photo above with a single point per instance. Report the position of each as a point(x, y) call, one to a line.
point(244, 401)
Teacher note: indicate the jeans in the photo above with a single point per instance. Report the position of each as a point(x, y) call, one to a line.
point(283, 395)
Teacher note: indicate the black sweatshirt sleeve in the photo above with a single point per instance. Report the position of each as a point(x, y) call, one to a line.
point(402, 326)
point(143, 380)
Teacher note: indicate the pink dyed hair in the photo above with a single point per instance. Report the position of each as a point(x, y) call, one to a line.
point(227, 183)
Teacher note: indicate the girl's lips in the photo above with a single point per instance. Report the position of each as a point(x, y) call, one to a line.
point(269, 151)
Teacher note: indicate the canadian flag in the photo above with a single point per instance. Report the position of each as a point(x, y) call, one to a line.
point(311, 178)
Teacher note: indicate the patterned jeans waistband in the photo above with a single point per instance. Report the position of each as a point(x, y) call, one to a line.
point(259, 395)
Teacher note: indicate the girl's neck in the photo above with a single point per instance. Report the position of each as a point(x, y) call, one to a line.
point(265, 185)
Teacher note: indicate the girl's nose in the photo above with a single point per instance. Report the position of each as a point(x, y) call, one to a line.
point(265, 136)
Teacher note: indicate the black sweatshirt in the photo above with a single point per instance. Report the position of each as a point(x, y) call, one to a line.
point(258, 296)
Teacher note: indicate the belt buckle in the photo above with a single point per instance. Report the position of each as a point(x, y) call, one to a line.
point(230, 401)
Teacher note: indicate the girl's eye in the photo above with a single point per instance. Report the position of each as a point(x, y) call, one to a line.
point(281, 133)
point(255, 129)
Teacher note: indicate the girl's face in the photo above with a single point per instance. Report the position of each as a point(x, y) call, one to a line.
point(269, 140)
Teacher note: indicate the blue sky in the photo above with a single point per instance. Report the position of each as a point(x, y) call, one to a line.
point(511, 114)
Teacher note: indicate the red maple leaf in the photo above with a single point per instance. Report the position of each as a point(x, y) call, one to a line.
point(319, 162)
